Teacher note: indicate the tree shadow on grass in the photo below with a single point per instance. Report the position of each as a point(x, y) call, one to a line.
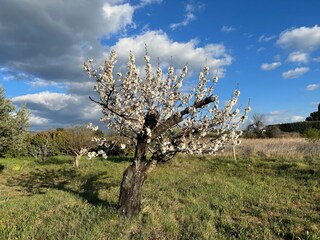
point(39, 180)
point(119, 159)
point(56, 161)
point(1, 168)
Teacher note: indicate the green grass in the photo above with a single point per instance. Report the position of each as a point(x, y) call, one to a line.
point(189, 198)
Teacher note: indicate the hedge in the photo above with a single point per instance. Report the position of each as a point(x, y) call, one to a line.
point(299, 127)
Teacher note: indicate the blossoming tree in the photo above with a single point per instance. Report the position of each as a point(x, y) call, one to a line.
point(161, 119)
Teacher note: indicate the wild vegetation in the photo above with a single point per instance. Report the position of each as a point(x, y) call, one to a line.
point(265, 188)
point(268, 194)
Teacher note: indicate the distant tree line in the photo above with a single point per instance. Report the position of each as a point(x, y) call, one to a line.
point(258, 129)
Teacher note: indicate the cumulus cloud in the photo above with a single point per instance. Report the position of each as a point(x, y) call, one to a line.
point(295, 73)
point(270, 66)
point(303, 39)
point(51, 109)
point(183, 52)
point(51, 39)
point(227, 29)
point(49, 48)
point(298, 57)
point(312, 87)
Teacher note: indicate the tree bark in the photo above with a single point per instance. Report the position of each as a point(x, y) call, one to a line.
point(130, 190)
point(77, 160)
point(134, 176)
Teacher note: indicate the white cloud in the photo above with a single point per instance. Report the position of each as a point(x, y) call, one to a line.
point(36, 120)
point(282, 116)
point(295, 73)
point(270, 66)
point(188, 17)
point(49, 100)
point(58, 36)
point(38, 83)
point(181, 52)
point(297, 118)
point(312, 87)
point(264, 38)
point(227, 29)
point(144, 3)
point(120, 15)
point(51, 110)
point(304, 39)
point(298, 57)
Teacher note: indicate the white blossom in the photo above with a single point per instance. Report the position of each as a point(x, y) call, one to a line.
point(127, 101)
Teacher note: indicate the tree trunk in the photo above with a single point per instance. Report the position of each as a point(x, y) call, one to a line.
point(77, 160)
point(130, 190)
point(134, 176)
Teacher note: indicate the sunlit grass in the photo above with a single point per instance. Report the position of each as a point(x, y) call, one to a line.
point(189, 198)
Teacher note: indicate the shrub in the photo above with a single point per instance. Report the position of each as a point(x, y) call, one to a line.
point(312, 134)
point(273, 131)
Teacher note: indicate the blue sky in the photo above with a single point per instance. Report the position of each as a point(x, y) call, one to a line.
point(269, 49)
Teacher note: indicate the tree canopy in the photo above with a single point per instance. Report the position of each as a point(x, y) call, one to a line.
point(13, 126)
point(161, 117)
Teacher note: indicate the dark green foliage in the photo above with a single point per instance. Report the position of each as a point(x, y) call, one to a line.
point(299, 127)
point(13, 127)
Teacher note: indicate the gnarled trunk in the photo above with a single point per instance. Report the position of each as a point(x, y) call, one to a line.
point(134, 176)
point(131, 189)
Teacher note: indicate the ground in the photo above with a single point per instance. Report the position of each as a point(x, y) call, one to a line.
point(200, 197)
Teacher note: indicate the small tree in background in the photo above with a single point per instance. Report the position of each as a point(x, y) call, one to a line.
point(41, 145)
point(76, 141)
point(257, 128)
point(147, 108)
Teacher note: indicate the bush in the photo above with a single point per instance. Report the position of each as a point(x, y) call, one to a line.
point(312, 134)
point(273, 131)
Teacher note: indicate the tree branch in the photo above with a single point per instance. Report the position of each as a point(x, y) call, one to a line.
point(178, 117)
point(114, 112)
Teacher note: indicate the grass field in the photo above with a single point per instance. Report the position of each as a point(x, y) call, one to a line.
point(261, 196)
